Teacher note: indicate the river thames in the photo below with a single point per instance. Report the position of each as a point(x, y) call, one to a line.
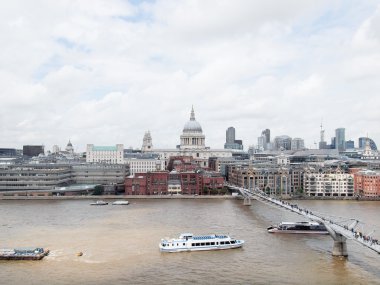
point(120, 243)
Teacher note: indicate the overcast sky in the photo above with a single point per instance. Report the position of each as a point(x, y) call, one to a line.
point(104, 72)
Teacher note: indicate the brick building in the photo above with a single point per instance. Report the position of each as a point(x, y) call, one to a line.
point(367, 183)
point(182, 163)
point(164, 182)
point(149, 183)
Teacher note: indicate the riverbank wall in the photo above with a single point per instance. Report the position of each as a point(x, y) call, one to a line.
point(131, 197)
point(115, 197)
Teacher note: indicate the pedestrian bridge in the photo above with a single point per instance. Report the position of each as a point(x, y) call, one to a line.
point(339, 231)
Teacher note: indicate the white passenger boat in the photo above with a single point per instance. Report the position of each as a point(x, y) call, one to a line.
point(99, 203)
point(190, 242)
point(120, 202)
point(299, 228)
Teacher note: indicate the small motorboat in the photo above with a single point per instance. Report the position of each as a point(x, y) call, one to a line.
point(99, 203)
point(120, 202)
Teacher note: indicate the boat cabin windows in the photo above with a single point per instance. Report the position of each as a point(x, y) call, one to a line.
point(203, 243)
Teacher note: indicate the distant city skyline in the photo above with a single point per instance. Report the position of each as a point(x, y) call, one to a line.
point(106, 72)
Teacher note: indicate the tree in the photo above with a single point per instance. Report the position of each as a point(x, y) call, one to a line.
point(98, 190)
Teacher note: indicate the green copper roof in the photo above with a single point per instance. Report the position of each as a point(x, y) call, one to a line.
point(104, 148)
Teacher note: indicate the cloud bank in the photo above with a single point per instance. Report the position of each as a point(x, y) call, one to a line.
point(104, 72)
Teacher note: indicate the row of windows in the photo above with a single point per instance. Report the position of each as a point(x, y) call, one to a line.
point(212, 243)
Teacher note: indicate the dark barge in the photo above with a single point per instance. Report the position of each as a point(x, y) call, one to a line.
point(36, 253)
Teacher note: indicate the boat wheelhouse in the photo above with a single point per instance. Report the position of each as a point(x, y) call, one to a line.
point(190, 242)
point(299, 228)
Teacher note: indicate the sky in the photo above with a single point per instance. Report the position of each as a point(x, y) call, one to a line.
point(106, 71)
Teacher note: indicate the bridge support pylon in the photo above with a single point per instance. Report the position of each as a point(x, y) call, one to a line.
point(247, 201)
point(340, 246)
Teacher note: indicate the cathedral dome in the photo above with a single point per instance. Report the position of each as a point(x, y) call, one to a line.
point(192, 126)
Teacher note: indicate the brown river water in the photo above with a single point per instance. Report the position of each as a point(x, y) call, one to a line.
point(120, 243)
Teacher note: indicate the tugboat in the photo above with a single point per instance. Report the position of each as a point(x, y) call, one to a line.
point(299, 228)
point(190, 242)
point(23, 253)
point(99, 203)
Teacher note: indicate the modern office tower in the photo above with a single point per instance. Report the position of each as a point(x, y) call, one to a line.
point(230, 135)
point(350, 144)
point(362, 143)
point(8, 152)
point(340, 139)
point(147, 142)
point(266, 134)
point(231, 142)
point(282, 143)
point(32, 150)
point(298, 144)
point(260, 143)
point(333, 143)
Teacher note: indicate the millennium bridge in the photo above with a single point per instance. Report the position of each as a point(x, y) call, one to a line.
point(339, 231)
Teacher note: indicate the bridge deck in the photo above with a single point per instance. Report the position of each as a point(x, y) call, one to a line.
point(344, 230)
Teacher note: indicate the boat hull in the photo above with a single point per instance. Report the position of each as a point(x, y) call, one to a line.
point(182, 249)
point(277, 231)
point(38, 256)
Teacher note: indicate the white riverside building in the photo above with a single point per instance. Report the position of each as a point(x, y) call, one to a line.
point(105, 154)
point(192, 144)
point(328, 184)
point(142, 165)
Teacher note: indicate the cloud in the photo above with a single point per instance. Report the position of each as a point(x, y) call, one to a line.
point(104, 72)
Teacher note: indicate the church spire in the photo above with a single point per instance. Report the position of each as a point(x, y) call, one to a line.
point(192, 115)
